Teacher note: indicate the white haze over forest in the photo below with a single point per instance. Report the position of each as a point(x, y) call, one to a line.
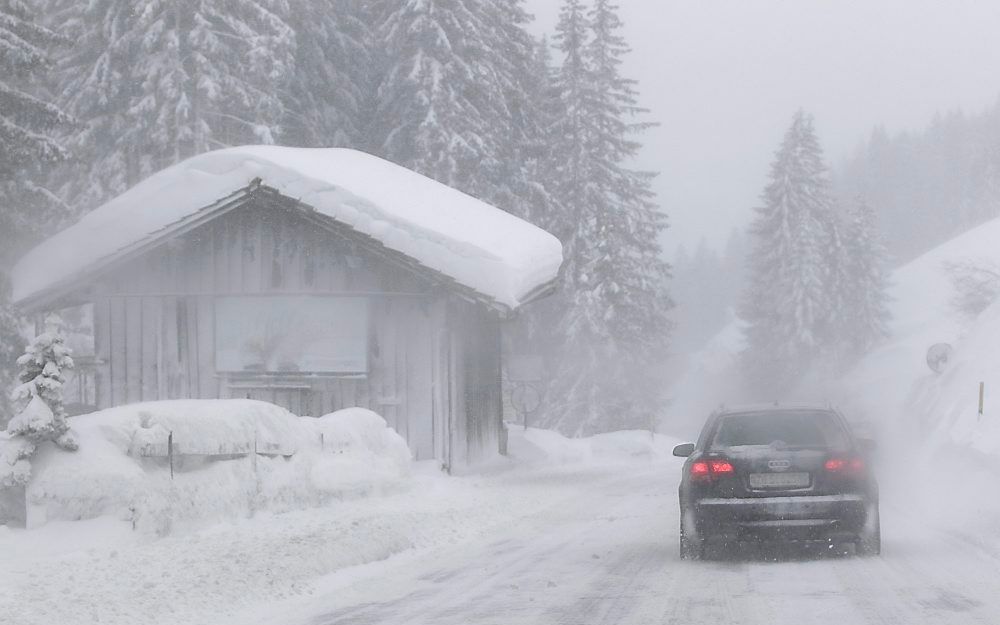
point(432, 353)
point(723, 79)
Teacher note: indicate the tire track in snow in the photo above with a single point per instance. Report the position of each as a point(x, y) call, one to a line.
point(612, 558)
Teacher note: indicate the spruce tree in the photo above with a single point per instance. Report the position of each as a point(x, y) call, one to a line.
point(867, 302)
point(787, 305)
point(614, 328)
point(42, 368)
point(450, 73)
point(530, 154)
point(330, 95)
point(26, 121)
point(40, 415)
point(27, 149)
point(155, 83)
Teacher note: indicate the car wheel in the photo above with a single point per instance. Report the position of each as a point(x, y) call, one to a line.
point(870, 541)
point(691, 546)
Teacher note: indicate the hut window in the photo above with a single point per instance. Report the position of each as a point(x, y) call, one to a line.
point(291, 334)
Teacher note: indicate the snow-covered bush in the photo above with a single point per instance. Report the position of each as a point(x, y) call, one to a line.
point(15, 468)
point(976, 283)
point(122, 467)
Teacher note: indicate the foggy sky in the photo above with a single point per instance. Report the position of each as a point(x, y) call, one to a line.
point(724, 78)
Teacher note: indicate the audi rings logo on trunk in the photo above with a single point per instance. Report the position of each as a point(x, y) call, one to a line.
point(779, 465)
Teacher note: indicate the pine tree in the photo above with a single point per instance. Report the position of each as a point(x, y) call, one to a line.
point(27, 148)
point(442, 106)
point(41, 415)
point(615, 327)
point(787, 304)
point(158, 82)
point(27, 125)
point(94, 80)
point(867, 303)
point(26, 122)
point(330, 96)
point(531, 194)
point(525, 71)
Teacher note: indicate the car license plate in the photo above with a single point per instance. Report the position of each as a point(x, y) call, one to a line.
point(779, 480)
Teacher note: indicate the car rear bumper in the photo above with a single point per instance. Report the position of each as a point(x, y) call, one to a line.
point(791, 518)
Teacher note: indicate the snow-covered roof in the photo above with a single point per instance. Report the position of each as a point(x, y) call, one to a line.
point(479, 246)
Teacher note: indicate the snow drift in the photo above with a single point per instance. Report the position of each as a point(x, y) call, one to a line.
point(231, 458)
point(894, 381)
point(538, 447)
point(478, 245)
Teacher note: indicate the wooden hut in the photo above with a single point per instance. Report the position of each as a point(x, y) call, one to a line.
point(313, 279)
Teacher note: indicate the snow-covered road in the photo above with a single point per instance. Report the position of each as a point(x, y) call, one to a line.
point(570, 545)
point(609, 555)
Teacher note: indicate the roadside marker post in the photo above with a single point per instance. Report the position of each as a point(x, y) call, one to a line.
point(982, 392)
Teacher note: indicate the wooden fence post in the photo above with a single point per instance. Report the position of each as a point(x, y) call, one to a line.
point(170, 452)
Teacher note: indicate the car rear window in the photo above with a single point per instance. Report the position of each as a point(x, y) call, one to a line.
point(786, 428)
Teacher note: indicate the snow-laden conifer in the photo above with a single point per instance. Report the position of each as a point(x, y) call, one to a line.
point(26, 121)
point(451, 72)
point(155, 82)
point(27, 146)
point(867, 301)
point(40, 415)
point(330, 95)
point(614, 327)
point(787, 303)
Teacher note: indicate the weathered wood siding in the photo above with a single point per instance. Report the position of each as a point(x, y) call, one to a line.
point(155, 320)
point(477, 407)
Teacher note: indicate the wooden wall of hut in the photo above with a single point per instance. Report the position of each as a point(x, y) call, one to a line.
point(433, 360)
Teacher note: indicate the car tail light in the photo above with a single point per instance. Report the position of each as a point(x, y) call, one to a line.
point(851, 466)
point(721, 467)
point(709, 470)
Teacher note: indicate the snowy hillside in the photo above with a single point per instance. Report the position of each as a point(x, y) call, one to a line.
point(895, 382)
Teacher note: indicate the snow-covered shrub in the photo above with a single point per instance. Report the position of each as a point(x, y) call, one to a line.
point(15, 468)
point(122, 470)
point(976, 283)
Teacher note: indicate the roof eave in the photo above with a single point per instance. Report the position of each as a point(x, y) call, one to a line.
point(67, 292)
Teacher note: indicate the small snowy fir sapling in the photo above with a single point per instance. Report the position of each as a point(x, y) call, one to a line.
point(38, 400)
point(40, 415)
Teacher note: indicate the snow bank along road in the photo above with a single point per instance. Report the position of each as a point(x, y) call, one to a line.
point(555, 546)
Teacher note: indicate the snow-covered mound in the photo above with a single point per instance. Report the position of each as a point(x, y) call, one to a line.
point(478, 245)
point(895, 383)
point(122, 467)
point(547, 447)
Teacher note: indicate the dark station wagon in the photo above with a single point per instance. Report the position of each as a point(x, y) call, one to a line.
point(778, 472)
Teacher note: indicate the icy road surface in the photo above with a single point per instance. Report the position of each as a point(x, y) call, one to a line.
point(576, 545)
point(604, 551)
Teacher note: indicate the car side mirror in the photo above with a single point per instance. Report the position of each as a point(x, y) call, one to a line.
point(868, 446)
point(685, 450)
